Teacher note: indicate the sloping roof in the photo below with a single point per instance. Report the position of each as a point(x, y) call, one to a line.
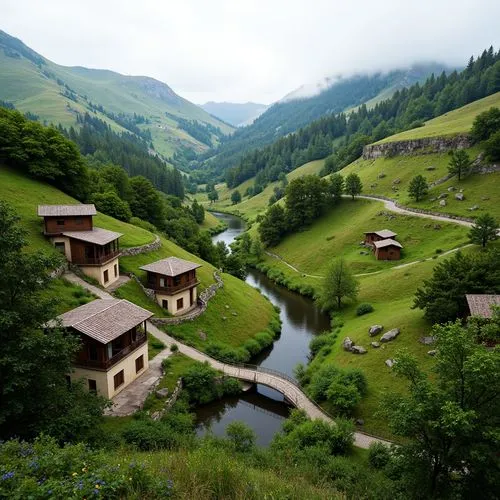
point(104, 319)
point(384, 233)
point(387, 243)
point(171, 266)
point(480, 305)
point(66, 210)
point(97, 235)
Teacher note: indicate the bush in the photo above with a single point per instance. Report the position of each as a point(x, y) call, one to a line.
point(364, 309)
point(148, 435)
point(320, 341)
point(264, 339)
point(174, 348)
point(378, 455)
point(438, 250)
point(143, 224)
point(252, 346)
point(241, 436)
point(166, 364)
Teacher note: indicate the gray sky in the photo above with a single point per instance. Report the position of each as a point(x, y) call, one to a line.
point(259, 50)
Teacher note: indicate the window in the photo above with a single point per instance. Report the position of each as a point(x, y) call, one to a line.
point(164, 304)
point(92, 352)
point(177, 280)
point(106, 276)
point(180, 303)
point(139, 363)
point(162, 282)
point(92, 385)
point(79, 222)
point(60, 246)
point(60, 222)
point(119, 379)
point(116, 270)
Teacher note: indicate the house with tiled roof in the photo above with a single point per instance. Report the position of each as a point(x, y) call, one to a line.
point(71, 230)
point(114, 345)
point(482, 304)
point(384, 244)
point(174, 282)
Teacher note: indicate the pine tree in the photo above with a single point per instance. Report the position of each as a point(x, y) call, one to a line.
point(418, 187)
point(485, 229)
point(459, 164)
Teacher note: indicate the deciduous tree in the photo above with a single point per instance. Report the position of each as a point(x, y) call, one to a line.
point(485, 229)
point(338, 284)
point(418, 187)
point(353, 185)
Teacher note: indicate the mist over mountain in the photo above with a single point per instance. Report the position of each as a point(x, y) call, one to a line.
point(236, 114)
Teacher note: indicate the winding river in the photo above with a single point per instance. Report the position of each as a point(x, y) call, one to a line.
point(262, 408)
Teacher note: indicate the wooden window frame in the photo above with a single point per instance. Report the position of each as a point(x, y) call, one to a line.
point(119, 379)
point(139, 363)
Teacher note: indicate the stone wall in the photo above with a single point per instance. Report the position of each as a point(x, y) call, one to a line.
point(59, 271)
point(150, 247)
point(203, 300)
point(157, 415)
point(425, 145)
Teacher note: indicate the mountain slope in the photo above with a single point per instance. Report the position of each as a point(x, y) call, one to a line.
point(237, 114)
point(57, 93)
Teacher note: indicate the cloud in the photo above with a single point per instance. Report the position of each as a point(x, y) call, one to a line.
point(227, 50)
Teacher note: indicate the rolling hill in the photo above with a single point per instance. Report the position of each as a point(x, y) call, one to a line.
point(57, 93)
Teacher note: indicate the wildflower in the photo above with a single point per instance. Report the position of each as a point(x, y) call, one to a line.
point(74, 474)
point(84, 469)
point(7, 475)
point(130, 479)
point(95, 492)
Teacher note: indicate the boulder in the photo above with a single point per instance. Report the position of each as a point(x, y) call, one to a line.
point(374, 185)
point(347, 344)
point(162, 393)
point(430, 168)
point(226, 306)
point(427, 340)
point(442, 196)
point(437, 227)
point(396, 181)
point(484, 198)
point(234, 313)
point(381, 175)
point(390, 335)
point(375, 330)
point(389, 362)
point(442, 203)
point(459, 196)
point(375, 344)
point(202, 335)
point(360, 421)
point(452, 188)
point(357, 349)
point(433, 199)
point(473, 208)
point(432, 353)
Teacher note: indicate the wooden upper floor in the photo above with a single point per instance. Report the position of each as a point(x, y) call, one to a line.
point(60, 218)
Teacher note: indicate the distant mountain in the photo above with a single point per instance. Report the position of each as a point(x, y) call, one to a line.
point(237, 114)
point(139, 104)
point(310, 102)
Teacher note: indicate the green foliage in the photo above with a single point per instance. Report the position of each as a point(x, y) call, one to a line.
point(460, 163)
point(353, 185)
point(485, 229)
point(320, 341)
point(486, 124)
point(418, 187)
point(378, 455)
point(174, 347)
point(241, 436)
point(111, 204)
point(213, 195)
point(452, 424)
point(273, 226)
point(492, 147)
point(338, 284)
point(34, 392)
point(364, 309)
point(235, 197)
point(443, 296)
point(198, 212)
point(42, 470)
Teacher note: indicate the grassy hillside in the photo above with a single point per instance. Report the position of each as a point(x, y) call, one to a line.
point(250, 207)
point(455, 122)
point(33, 83)
point(25, 194)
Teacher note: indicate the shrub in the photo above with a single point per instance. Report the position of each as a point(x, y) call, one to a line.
point(149, 435)
point(264, 339)
point(364, 309)
point(378, 455)
point(438, 250)
point(143, 224)
point(174, 347)
point(252, 346)
point(320, 341)
point(166, 364)
point(241, 436)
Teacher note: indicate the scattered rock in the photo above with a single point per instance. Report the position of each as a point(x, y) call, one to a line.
point(357, 349)
point(442, 196)
point(460, 197)
point(162, 393)
point(433, 199)
point(390, 335)
point(226, 306)
point(452, 188)
point(381, 175)
point(375, 330)
point(360, 421)
point(374, 185)
point(234, 313)
point(442, 203)
point(484, 198)
point(430, 168)
point(432, 353)
point(202, 335)
point(427, 340)
point(473, 208)
point(437, 227)
point(390, 362)
point(396, 181)
point(224, 318)
point(347, 344)
point(375, 344)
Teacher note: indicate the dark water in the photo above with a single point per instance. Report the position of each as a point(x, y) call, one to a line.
point(262, 408)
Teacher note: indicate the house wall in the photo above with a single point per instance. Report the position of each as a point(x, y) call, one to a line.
point(388, 253)
point(97, 272)
point(73, 223)
point(67, 245)
point(105, 380)
point(172, 300)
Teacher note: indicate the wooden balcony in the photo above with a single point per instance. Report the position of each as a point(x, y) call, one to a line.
point(106, 365)
point(171, 290)
point(96, 261)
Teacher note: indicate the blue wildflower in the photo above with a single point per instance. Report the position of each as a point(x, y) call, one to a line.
point(7, 475)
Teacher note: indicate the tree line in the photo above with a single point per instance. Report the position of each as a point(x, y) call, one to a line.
point(342, 137)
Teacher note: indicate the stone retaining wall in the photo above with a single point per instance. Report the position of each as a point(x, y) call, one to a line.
point(150, 247)
point(59, 271)
point(426, 145)
point(157, 415)
point(203, 300)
